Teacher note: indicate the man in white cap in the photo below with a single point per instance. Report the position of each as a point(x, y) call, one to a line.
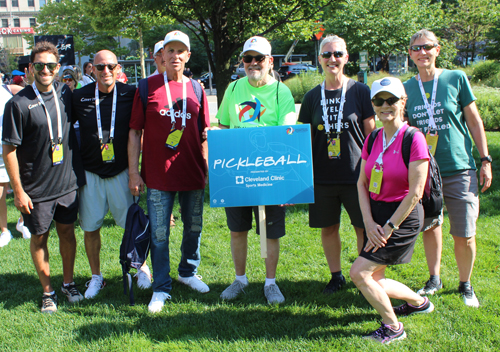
point(173, 161)
point(277, 106)
point(158, 57)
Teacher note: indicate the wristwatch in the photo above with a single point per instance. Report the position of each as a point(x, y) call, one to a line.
point(487, 158)
point(391, 225)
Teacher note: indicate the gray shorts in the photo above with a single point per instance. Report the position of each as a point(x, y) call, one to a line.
point(326, 209)
point(462, 202)
point(102, 194)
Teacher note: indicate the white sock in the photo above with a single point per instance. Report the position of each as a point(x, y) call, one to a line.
point(49, 293)
point(67, 285)
point(243, 279)
point(97, 276)
point(270, 282)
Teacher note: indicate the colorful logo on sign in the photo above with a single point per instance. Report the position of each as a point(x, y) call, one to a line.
point(258, 111)
point(289, 130)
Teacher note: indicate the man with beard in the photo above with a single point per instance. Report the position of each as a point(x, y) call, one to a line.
point(260, 87)
point(42, 159)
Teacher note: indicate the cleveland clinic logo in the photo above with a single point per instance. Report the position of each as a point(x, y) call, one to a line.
point(258, 111)
point(239, 180)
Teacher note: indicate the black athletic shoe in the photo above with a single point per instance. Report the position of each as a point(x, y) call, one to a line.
point(468, 295)
point(334, 285)
point(430, 288)
point(385, 334)
point(407, 309)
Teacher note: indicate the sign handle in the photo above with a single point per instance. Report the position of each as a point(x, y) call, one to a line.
point(263, 231)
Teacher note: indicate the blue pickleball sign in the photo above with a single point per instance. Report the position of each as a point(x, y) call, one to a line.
point(260, 166)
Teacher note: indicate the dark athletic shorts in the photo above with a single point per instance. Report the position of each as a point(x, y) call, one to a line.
point(63, 210)
point(326, 209)
point(399, 247)
point(240, 219)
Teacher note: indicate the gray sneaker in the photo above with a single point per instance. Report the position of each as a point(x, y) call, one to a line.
point(72, 293)
point(273, 294)
point(233, 290)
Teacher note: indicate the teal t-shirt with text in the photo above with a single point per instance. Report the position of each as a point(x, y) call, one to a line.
point(454, 148)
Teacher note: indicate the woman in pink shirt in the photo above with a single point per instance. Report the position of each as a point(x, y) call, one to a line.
point(389, 197)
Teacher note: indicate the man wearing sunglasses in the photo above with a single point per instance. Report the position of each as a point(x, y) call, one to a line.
point(341, 116)
point(173, 162)
point(44, 166)
point(103, 110)
point(276, 106)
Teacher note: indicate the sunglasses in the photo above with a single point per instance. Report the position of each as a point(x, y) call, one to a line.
point(67, 79)
point(100, 67)
point(380, 101)
point(248, 58)
point(427, 47)
point(328, 54)
point(39, 66)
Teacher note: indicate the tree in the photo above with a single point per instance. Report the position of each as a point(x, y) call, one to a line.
point(381, 27)
point(69, 17)
point(224, 25)
point(127, 18)
point(470, 21)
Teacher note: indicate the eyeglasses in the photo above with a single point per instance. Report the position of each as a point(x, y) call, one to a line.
point(328, 54)
point(100, 67)
point(67, 79)
point(159, 53)
point(427, 47)
point(248, 58)
point(39, 66)
point(380, 101)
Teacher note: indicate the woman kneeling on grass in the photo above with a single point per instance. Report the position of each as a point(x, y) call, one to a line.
point(389, 197)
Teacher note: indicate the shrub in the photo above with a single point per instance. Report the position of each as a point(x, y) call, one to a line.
point(301, 84)
point(485, 70)
point(488, 104)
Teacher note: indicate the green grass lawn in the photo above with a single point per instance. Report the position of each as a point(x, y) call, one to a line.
point(307, 321)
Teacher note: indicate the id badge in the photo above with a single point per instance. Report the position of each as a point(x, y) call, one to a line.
point(432, 141)
point(57, 154)
point(173, 138)
point(376, 180)
point(108, 153)
point(334, 148)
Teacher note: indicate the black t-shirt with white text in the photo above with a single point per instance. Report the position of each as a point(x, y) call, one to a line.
point(25, 126)
point(357, 108)
point(84, 111)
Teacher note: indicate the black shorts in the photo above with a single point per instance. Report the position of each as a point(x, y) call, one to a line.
point(326, 209)
point(240, 219)
point(399, 247)
point(63, 210)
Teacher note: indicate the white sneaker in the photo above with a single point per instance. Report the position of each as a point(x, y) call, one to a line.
point(158, 301)
point(5, 238)
point(143, 277)
point(23, 229)
point(195, 283)
point(94, 286)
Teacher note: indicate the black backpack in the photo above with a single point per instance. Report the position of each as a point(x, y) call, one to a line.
point(432, 199)
point(135, 245)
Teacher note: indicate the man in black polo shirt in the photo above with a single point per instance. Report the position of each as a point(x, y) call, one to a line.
point(103, 110)
point(42, 159)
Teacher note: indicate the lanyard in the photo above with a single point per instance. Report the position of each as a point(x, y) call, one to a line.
point(341, 108)
point(49, 121)
point(98, 114)
point(169, 98)
point(429, 108)
point(385, 146)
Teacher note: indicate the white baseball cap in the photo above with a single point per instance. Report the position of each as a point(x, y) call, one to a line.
point(258, 44)
point(389, 84)
point(177, 36)
point(158, 47)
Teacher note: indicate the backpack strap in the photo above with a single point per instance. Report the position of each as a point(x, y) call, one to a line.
point(371, 139)
point(406, 144)
point(143, 93)
point(198, 91)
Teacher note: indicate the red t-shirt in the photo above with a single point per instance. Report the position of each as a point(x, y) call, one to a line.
point(162, 168)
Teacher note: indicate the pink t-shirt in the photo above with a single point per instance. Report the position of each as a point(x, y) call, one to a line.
point(395, 177)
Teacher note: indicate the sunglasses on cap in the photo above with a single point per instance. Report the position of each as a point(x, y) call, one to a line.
point(39, 66)
point(328, 54)
point(100, 67)
point(248, 58)
point(379, 101)
point(427, 47)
